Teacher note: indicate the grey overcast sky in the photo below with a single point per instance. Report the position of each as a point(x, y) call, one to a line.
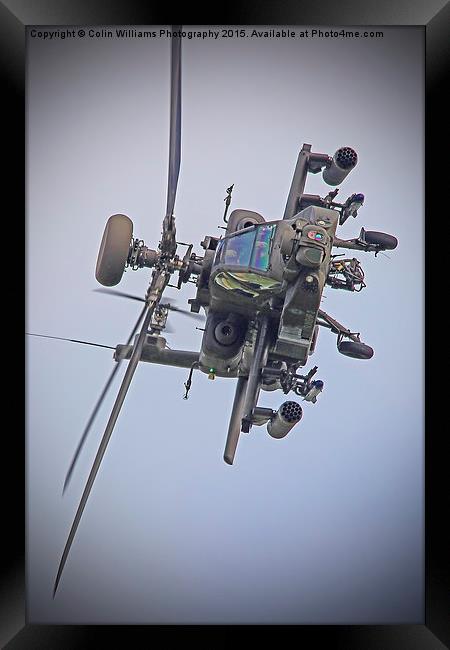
point(324, 526)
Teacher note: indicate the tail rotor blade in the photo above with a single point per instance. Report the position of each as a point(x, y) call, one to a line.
point(98, 406)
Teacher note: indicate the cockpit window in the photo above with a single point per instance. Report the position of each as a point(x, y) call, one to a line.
point(238, 249)
point(261, 249)
point(247, 248)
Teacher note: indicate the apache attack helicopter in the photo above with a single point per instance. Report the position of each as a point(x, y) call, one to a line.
point(260, 286)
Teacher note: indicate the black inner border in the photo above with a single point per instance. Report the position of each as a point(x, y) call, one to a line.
point(13, 628)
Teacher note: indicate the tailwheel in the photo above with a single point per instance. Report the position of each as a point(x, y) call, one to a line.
point(114, 250)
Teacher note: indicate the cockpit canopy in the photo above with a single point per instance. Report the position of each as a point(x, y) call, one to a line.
point(244, 259)
point(249, 247)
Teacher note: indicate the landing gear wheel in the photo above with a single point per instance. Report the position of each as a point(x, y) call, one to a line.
point(383, 240)
point(114, 250)
point(355, 350)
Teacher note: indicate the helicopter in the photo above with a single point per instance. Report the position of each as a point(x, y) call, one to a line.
point(260, 286)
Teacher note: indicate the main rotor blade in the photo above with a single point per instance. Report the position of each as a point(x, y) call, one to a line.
point(98, 405)
point(185, 312)
point(175, 123)
point(60, 338)
point(121, 294)
point(159, 282)
point(169, 306)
